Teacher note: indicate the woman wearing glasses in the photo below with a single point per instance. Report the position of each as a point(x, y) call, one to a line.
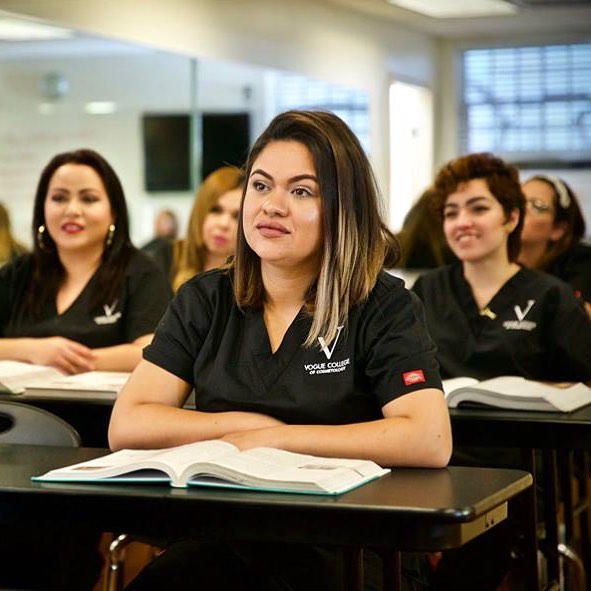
point(552, 232)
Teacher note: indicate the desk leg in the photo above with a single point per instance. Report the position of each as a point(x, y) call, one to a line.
point(353, 558)
point(550, 478)
point(584, 509)
point(528, 500)
point(391, 571)
point(566, 470)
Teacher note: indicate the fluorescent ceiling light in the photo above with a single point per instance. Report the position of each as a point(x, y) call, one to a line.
point(12, 29)
point(456, 8)
point(100, 108)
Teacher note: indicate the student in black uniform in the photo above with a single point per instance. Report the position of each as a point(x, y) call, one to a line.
point(85, 299)
point(488, 315)
point(552, 232)
point(302, 343)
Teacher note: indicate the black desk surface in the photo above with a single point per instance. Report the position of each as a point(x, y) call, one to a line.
point(514, 428)
point(410, 509)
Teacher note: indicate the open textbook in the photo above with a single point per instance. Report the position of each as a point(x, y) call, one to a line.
point(16, 375)
point(513, 392)
point(92, 384)
point(220, 464)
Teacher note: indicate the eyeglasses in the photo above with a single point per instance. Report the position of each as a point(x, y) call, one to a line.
point(538, 206)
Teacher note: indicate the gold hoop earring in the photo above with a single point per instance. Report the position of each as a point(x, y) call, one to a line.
point(110, 235)
point(40, 235)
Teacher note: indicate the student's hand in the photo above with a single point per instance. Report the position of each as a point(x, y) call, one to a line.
point(65, 354)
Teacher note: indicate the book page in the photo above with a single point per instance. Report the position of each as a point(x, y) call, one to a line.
point(16, 375)
point(107, 381)
point(170, 461)
point(452, 384)
point(267, 467)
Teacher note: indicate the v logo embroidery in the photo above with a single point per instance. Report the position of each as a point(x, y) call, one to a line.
point(328, 352)
point(109, 309)
point(521, 314)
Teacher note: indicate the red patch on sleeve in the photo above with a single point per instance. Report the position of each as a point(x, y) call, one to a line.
point(416, 376)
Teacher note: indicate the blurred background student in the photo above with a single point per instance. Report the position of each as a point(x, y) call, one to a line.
point(85, 298)
point(553, 231)
point(213, 223)
point(166, 230)
point(10, 248)
point(422, 242)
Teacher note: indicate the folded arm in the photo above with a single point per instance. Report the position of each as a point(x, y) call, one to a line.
point(123, 357)
point(64, 354)
point(149, 413)
point(415, 431)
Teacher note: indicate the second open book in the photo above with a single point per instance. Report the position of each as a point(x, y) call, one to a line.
point(221, 464)
point(513, 392)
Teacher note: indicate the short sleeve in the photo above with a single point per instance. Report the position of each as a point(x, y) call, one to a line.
point(399, 353)
point(181, 333)
point(148, 295)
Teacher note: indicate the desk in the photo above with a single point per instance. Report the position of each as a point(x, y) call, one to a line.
point(557, 436)
point(410, 509)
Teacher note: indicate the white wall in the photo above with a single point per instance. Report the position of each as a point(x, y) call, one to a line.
point(311, 38)
point(151, 81)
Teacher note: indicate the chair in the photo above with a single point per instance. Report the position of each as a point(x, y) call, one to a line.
point(23, 424)
point(29, 425)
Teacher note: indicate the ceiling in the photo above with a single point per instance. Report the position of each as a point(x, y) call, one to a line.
point(555, 17)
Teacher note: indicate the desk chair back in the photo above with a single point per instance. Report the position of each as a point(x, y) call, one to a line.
point(29, 425)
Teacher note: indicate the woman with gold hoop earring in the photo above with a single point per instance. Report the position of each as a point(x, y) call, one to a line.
point(86, 298)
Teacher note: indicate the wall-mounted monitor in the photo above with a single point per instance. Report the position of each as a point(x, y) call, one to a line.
point(167, 152)
point(226, 140)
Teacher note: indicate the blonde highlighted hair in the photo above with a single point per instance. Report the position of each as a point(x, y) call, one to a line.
point(357, 243)
point(189, 254)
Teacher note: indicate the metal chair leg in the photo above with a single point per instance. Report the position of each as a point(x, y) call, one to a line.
point(116, 558)
point(574, 578)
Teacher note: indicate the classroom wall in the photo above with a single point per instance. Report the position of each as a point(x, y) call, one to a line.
point(318, 40)
point(138, 82)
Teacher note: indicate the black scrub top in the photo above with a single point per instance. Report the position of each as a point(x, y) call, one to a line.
point(574, 267)
point(225, 354)
point(142, 300)
point(535, 327)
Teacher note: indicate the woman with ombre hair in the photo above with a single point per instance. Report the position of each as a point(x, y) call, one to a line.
point(306, 291)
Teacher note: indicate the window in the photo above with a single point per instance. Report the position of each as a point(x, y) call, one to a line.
point(293, 91)
point(531, 105)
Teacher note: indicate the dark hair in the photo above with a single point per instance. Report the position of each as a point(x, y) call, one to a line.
point(502, 180)
point(421, 238)
point(567, 211)
point(48, 271)
point(357, 243)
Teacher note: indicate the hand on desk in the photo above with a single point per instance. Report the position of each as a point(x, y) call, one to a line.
point(65, 354)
